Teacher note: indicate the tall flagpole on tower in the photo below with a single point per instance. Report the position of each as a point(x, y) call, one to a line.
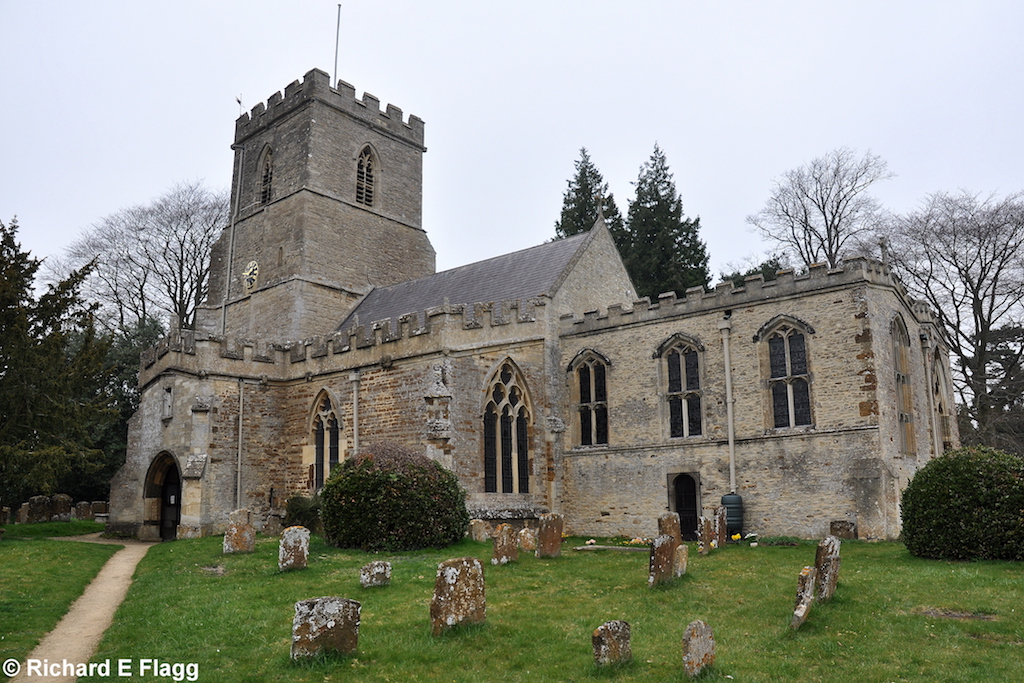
point(337, 40)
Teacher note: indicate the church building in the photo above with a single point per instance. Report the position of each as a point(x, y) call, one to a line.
point(537, 377)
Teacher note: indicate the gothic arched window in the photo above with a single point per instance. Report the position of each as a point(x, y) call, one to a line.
point(506, 433)
point(788, 377)
point(682, 386)
point(327, 440)
point(366, 169)
point(267, 178)
point(591, 385)
point(904, 399)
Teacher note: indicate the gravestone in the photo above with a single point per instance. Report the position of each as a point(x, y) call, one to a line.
point(804, 596)
point(273, 525)
point(293, 551)
point(549, 536)
point(826, 562)
point(5, 516)
point(23, 514)
point(479, 530)
point(375, 574)
point(840, 528)
point(661, 567)
point(679, 560)
point(705, 534)
point(505, 547)
point(240, 536)
point(83, 510)
point(698, 648)
point(458, 594)
point(100, 507)
point(38, 509)
point(721, 526)
point(611, 643)
point(668, 525)
point(328, 624)
point(60, 508)
point(527, 539)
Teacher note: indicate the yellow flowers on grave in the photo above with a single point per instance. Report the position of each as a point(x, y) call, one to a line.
point(736, 537)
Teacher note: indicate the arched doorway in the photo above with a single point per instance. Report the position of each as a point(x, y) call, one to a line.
point(163, 499)
point(687, 505)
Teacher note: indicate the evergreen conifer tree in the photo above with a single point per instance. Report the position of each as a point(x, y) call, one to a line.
point(580, 203)
point(664, 251)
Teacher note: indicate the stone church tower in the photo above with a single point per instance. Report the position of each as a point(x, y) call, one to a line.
point(326, 204)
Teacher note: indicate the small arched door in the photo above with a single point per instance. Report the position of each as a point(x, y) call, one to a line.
point(687, 505)
point(163, 497)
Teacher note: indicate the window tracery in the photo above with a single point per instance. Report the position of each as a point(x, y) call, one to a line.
point(267, 177)
point(327, 440)
point(683, 387)
point(365, 177)
point(788, 377)
point(506, 433)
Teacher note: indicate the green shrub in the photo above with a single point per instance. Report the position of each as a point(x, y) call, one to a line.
point(967, 504)
point(391, 498)
point(303, 511)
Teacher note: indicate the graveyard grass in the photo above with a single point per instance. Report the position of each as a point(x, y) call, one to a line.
point(894, 617)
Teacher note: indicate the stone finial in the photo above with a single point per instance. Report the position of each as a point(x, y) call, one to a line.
point(668, 524)
point(662, 562)
point(804, 596)
point(328, 624)
point(698, 648)
point(293, 550)
point(826, 562)
point(479, 530)
point(375, 574)
point(505, 548)
point(459, 595)
point(549, 536)
point(611, 643)
point(527, 539)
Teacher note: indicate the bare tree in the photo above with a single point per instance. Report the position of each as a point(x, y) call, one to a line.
point(965, 256)
point(816, 212)
point(153, 260)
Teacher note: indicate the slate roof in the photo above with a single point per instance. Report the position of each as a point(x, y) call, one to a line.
point(519, 275)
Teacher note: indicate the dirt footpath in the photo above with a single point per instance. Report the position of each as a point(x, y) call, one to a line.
point(77, 635)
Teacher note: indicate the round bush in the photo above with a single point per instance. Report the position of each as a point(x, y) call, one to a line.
point(967, 504)
point(391, 498)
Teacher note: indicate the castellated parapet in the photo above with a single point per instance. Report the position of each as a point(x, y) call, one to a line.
point(316, 85)
point(755, 289)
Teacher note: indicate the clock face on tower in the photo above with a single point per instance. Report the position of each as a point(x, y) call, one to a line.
point(249, 275)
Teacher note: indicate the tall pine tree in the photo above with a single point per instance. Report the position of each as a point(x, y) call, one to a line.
point(664, 251)
point(580, 203)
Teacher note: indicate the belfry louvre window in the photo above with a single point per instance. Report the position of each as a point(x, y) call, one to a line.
point(789, 380)
point(506, 434)
point(683, 390)
point(592, 404)
point(365, 177)
point(267, 181)
point(904, 399)
point(327, 437)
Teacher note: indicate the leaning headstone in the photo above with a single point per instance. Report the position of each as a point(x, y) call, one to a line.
point(328, 624)
point(662, 562)
point(479, 530)
point(38, 509)
point(60, 508)
point(375, 574)
point(293, 551)
point(840, 528)
point(679, 560)
point(549, 537)
point(705, 534)
point(698, 648)
point(611, 643)
point(458, 594)
point(827, 562)
point(668, 525)
point(528, 539)
point(721, 526)
point(240, 536)
point(804, 596)
point(83, 510)
point(505, 548)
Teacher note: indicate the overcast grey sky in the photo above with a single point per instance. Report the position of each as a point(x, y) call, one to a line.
point(108, 104)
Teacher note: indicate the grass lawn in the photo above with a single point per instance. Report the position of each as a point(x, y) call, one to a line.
point(39, 579)
point(894, 617)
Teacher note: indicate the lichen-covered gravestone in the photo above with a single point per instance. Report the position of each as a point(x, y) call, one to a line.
point(804, 596)
point(611, 643)
point(706, 534)
point(505, 548)
point(38, 509)
point(458, 595)
point(549, 536)
point(528, 539)
point(479, 530)
point(721, 526)
point(698, 648)
point(60, 508)
point(83, 510)
point(240, 536)
point(679, 560)
point(375, 574)
point(668, 525)
point(293, 551)
point(328, 624)
point(662, 562)
point(827, 562)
